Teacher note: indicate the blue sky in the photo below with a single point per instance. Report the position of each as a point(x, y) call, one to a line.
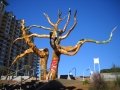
point(96, 19)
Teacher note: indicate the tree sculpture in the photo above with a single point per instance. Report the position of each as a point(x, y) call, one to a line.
point(55, 36)
point(42, 53)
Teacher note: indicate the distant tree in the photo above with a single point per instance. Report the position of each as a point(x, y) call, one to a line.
point(113, 69)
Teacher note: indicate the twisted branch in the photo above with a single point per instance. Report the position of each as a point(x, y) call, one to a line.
point(48, 18)
point(59, 17)
point(36, 26)
point(73, 26)
point(39, 36)
point(102, 42)
point(21, 55)
point(59, 14)
point(72, 50)
point(32, 35)
point(68, 20)
point(20, 38)
point(32, 47)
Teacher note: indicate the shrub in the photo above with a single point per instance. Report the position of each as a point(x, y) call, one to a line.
point(117, 83)
point(85, 82)
point(98, 82)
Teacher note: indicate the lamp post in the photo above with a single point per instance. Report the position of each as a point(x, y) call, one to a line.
point(72, 70)
point(83, 77)
point(91, 72)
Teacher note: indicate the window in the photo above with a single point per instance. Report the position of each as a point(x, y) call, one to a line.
point(1, 63)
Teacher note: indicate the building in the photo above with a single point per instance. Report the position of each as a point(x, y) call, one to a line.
point(3, 4)
point(110, 76)
point(9, 31)
point(3, 30)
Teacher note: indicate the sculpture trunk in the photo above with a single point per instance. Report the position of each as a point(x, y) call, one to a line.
point(43, 67)
point(54, 66)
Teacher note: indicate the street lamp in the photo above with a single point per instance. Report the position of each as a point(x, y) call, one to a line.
point(91, 72)
point(72, 70)
point(83, 77)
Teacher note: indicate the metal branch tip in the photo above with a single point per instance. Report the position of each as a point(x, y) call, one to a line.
point(75, 13)
point(69, 11)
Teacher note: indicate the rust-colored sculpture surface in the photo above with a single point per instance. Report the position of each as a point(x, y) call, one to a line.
point(55, 36)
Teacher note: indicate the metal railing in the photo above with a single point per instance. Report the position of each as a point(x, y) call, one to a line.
point(12, 74)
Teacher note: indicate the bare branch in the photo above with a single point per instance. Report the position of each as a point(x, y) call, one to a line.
point(39, 36)
point(59, 17)
point(102, 42)
point(68, 48)
point(72, 50)
point(75, 13)
point(21, 55)
point(47, 17)
point(69, 31)
point(37, 26)
point(58, 22)
point(32, 35)
point(68, 19)
point(59, 14)
point(20, 38)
